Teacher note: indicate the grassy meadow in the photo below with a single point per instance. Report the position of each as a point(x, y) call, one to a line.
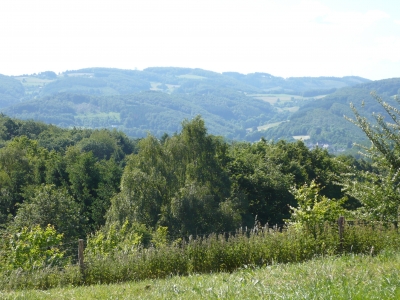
point(345, 277)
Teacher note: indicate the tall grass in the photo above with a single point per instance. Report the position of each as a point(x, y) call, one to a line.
point(210, 254)
point(343, 277)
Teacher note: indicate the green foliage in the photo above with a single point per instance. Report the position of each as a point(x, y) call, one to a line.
point(179, 183)
point(227, 253)
point(378, 189)
point(34, 248)
point(51, 205)
point(377, 192)
point(189, 182)
point(160, 237)
point(103, 143)
point(259, 185)
point(249, 250)
point(76, 178)
point(262, 174)
point(21, 162)
point(117, 238)
point(313, 209)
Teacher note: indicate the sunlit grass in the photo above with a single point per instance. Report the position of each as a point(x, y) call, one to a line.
point(347, 277)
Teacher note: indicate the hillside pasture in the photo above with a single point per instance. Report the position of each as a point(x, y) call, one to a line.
point(269, 125)
point(279, 98)
point(274, 98)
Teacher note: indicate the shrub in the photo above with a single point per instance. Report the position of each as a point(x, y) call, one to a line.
point(34, 248)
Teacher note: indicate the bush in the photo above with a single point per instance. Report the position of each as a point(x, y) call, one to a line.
point(31, 249)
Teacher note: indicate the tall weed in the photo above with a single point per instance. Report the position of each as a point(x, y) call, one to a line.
point(212, 253)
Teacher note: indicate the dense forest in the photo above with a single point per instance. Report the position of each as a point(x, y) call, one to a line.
point(80, 179)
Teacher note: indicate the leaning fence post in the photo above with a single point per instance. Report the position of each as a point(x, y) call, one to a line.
point(341, 231)
point(80, 256)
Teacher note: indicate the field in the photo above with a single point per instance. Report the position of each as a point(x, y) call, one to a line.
point(28, 81)
point(346, 277)
point(281, 98)
point(274, 98)
point(301, 137)
point(270, 125)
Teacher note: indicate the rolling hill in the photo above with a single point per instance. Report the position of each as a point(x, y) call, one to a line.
point(156, 100)
point(322, 121)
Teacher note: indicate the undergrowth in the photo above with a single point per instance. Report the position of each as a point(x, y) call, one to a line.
point(209, 254)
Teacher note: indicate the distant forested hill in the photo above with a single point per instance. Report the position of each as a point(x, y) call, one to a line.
point(228, 113)
point(11, 91)
point(322, 120)
point(156, 100)
point(105, 82)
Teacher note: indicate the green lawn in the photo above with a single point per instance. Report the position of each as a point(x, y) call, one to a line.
point(347, 277)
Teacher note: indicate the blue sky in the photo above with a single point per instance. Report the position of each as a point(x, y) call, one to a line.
point(284, 38)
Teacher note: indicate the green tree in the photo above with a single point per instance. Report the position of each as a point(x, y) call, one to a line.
point(179, 182)
point(51, 205)
point(22, 163)
point(378, 190)
point(101, 143)
point(259, 184)
point(84, 178)
point(33, 248)
point(263, 173)
point(313, 209)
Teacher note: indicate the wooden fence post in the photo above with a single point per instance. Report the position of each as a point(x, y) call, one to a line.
point(341, 231)
point(80, 256)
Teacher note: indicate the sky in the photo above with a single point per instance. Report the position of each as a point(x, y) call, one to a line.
point(284, 38)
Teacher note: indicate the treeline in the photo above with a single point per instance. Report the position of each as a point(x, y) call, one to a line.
point(190, 182)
